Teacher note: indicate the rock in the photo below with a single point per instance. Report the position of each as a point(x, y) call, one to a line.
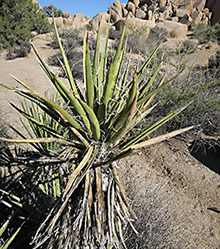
point(149, 15)
point(187, 5)
point(116, 14)
point(79, 22)
point(190, 44)
point(123, 5)
point(156, 16)
point(59, 21)
point(68, 22)
point(131, 7)
point(175, 19)
point(162, 3)
point(33, 33)
point(160, 25)
point(161, 17)
point(66, 15)
point(168, 12)
point(134, 24)
point(50, 20)
point(200, 4)
point(175, 30)
point(140, 14)
point(87, 18)
point(135, 2)
point(185, 20)
point(124, 12)
point(207, 13)
point(213, 45)
point(181, 12)
point(103, 18)
point(197, 16)
point(116, 11)
point(205, 20)
point(117, 4)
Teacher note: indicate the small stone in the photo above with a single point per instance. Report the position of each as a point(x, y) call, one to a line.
point(200, 4)
point(197, 16)
point(162, 3)
point(140, 14)
point(185, 20)
point(175, 19)
point(181, 12)
point(149, 15)
point(161, 17)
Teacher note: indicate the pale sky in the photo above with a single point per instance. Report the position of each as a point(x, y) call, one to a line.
point(86, 7)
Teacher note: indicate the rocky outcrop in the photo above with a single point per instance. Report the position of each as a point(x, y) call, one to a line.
point(77, 22)
point(134, 24)
point(102, 19)
point(199, 11)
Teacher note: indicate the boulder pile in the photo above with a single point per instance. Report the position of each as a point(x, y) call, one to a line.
point(182, 11)
point(174, 16)
point(68, 22)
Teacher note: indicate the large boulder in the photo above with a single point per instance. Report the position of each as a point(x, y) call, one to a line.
point(135, 2)
point(79, 22)
point(140, 14)
point(116, 11)
point(199, 4)
point(182, 12)
point(131, 7)
point(197, 16)
point(68, 22)
point(59, 22)
point(136, 25)
point(175, 30)
point(102, 19)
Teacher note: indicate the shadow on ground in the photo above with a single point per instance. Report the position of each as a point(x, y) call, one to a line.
point(207, 151)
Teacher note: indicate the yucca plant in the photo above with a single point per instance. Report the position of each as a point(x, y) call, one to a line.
point(79, 137)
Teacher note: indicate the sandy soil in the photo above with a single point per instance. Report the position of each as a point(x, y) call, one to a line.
point(175, 197)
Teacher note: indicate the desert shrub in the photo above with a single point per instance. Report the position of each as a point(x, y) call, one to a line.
point(205, 33)
point(72, 41)
point(18, 19)
point(139, 44)
point(202, 89)
point(21, 49)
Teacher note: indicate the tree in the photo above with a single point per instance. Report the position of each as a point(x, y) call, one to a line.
point(48, 11)
point(18, 19)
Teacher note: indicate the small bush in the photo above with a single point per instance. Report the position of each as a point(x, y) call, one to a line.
point(21, 49)
point(205, 33)
point(202, 89)
point(138, 44)
point(72, 42)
